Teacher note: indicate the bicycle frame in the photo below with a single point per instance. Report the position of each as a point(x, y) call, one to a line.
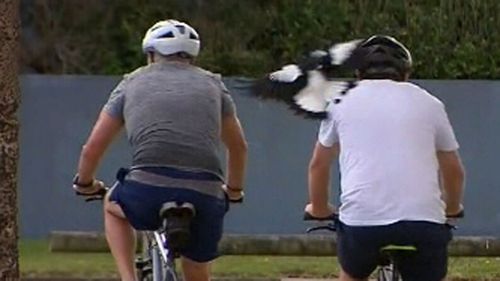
point(161, 240)
point(161, 258)
point(388, 273)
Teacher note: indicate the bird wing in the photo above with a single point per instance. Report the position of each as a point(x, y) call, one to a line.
point(308, 87)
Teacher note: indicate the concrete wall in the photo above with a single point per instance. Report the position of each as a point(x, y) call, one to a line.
point(57, 113)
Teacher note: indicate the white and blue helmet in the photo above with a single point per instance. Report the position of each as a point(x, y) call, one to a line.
point(169, 37)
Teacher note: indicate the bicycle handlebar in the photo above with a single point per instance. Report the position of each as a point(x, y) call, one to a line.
point(309, 217)
point(458, 215)
point(226, 189)
point(236, 201)
point(334, 217)
point(330, 226)
point(98, 195)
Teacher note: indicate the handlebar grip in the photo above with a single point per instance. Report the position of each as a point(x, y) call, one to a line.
point(236, 200)
point(239, 200)
point(458, 215)
point(309, 217)
point(98, 195)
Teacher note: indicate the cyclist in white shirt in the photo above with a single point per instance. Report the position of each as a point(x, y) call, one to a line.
point(401, 173)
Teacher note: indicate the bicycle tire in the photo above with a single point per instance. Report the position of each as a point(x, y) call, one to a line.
point(146, 277)
point(387, 273)
point(145, 273)
point(162, 270)
point(144, 267)
point(170, 274)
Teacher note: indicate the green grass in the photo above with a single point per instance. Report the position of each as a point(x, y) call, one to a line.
point(488, 268)
point(275, 266)
point(36, 260)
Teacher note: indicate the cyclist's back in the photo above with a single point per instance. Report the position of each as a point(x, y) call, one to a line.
point(172, 113)
point(387, 134)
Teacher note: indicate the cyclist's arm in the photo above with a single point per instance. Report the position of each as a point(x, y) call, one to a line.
point(453, 177)
point(103, 133)
point(450, 166)
point(234, 140)
point(319, 177)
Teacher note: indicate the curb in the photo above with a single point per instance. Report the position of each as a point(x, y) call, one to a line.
point(285, 245)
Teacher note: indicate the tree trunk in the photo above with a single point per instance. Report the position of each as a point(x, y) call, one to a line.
point(9, 146)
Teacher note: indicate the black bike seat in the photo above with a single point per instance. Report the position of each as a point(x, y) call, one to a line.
point(176, 220)
point(177, 209)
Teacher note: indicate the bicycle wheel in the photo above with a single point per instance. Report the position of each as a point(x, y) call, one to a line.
point(170, 273)
point(143, 260)
point(162, 270)
point(146, 277)
point(144, 268)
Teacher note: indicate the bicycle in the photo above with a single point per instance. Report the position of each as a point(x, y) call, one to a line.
point(390, 255)
point(163, 246)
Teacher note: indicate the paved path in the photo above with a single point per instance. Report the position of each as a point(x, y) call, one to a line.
point(307, 279)
point(216, 279)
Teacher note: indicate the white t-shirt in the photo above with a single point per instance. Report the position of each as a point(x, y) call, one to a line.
point(389, 133)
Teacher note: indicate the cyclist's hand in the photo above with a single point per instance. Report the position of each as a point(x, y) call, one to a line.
point(453, 217)
point(320, 211)
point(96, 187)
point(234, 195)
point(455, 212)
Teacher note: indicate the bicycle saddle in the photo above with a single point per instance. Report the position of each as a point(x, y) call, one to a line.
point(176, 220)
point(395, 252)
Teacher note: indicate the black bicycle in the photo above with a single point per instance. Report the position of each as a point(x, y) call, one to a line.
point(391, 254)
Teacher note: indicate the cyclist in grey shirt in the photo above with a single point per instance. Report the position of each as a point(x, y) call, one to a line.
point(176, 116)
point(172, 113)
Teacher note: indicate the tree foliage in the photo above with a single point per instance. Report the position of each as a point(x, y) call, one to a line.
point(448, 38)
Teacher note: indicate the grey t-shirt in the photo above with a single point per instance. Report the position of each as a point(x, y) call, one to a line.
point(172, 113)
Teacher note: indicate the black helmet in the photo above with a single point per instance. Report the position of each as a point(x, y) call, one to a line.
point(383, 57)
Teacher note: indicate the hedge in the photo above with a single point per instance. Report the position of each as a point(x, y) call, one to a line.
point(449, 39)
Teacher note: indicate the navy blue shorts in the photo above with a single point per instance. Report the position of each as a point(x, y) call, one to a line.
point(358, 248)
point(141, 204)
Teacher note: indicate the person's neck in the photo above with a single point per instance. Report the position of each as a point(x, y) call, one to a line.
point(171, 59)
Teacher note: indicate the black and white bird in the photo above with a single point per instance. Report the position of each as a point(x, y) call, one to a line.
point(308, 86)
